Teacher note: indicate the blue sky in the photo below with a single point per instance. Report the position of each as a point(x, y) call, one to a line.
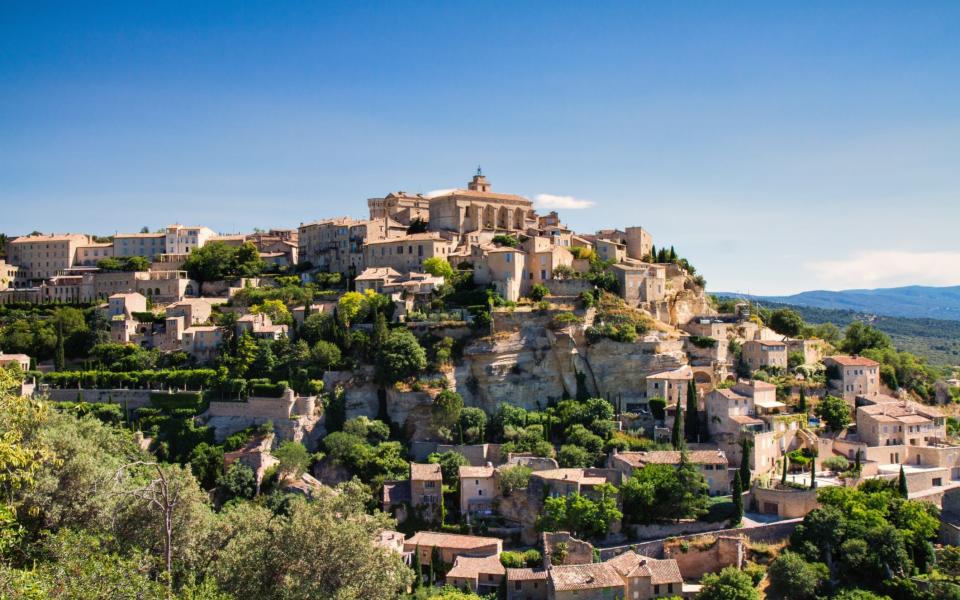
point(779, 146)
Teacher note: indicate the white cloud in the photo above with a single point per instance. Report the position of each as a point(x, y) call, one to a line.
point(551, 202)
point(436, 193)
point(889, 268)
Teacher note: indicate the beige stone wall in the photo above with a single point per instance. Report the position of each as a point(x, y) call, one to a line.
point(787, 503)
point(708, 554)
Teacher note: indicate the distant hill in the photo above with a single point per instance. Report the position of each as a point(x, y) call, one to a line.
point(915, 301)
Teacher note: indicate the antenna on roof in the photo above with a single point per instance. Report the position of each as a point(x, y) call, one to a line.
point(479, 171)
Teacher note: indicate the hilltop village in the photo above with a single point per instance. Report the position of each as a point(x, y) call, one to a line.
point(480, 400)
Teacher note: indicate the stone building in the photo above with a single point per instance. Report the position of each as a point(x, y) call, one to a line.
point(451, 545)
point(478, 489)
point(407, 254)
point(853, 376)
point(712, 464)
point(765, 353)
point(480, 574)
point(478, 208)
point(401, 207)
point(43, 256)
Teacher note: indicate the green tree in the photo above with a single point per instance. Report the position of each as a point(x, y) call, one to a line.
point(796, 579)
point(802, 403)
point(692, 423)
point(729, 584)
point(438, 267)
point(859, 337)
point(737, 516)
point(210, 262)
point(325, 355)
point(902, 488)
point(400, 357)
point(746, 449)
point(450, 463)
point(676, 434)
point(59, 360)
point(834, 412)
point(446, 408)
point(239, 481)
point(786, 321)
point(350, 307)
point(294, 458)
point(571, 456)
point(206, 463)
point(538, 292)
point(515, 478)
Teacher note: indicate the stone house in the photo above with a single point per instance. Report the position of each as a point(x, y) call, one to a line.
point(451, 545)
point(853, 376)
point(480, 574)
point(426, 483)
point(478, 489)
point(400, 206)
point(407, 253)
point(712, 464)
point(640, 282)
point(645, 578)
point(22, 360)
point(888, 421)
point(147, 245)
point(526, 584)
point(765, 353)
point(260, 326)
point(557, 483)
point(543, 256)
point(502, 266)
point(670, 385)
point(574, 582)
point(202, 342)
point(88, 255)
point(124, 305)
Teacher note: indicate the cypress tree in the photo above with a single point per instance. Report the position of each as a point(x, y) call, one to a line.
point(673, 255)
point(745, 446)
point(692, 424)
point(783, 479)
point(902, 484)
point(59, 358)
point(380, 332)
point(737, 516)
point(676, 436)
point(813, 473)
point(802, 404)
point(653, 253)
point(857, 466)
point(417, 568)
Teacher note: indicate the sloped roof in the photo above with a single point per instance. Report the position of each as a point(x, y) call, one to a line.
point(584, 577)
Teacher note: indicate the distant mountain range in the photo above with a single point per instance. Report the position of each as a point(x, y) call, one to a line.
point(915, 301)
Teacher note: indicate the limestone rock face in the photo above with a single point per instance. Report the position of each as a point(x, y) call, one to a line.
point(620, 369)
point(521, 507)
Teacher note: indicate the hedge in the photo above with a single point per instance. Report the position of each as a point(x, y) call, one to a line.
point(193, 379)
point(268, 390)
point(177, 400)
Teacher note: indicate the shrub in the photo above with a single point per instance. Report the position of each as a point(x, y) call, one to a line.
point(836, 463)
point(539, 292)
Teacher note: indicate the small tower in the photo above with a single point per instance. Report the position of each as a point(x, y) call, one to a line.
point(479, 183)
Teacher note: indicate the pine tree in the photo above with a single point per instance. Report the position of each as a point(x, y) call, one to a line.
point(802, 404)
point(745, 446)
point(902, 484)
point(737, 516)
point(692, 423)
point(417, 568)
point(813, 473)
point(676, 437)
point(783, 479)
point(59, 358)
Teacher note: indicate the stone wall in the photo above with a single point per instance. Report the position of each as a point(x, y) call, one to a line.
point(706, 554)
point(789, 503)
point(578, 551)
point(568, 287)
point(658, 531)
point(767, 533)
point(275, 409)
point(129, 399)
